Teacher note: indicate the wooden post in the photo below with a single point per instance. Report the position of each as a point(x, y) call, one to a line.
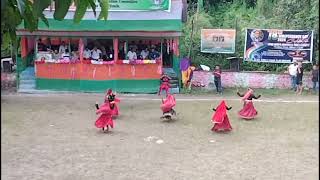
point(81, 48)
point(115, 48)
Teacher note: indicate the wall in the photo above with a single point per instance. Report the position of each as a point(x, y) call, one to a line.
point(248, 79)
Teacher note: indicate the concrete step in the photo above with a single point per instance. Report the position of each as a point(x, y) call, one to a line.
point(27, 81)
point(174, 90)
point(27, 86)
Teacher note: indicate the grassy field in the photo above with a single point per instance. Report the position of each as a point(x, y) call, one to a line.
point(53, 137)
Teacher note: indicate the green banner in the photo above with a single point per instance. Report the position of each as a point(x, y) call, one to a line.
point(139, 5)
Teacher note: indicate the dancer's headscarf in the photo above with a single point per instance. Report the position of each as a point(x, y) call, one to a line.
point(220, 113)
point(248, 93)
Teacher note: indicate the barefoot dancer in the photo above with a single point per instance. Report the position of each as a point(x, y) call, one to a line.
point(164, 84)
point(167, 107)
point(105, 119)
point(220, 118)
point(248, 111)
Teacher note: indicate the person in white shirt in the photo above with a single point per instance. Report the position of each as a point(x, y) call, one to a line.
point(65, 55)
point(96, 54)
point(293, 69)
point(132, 55)
point(145, 53)
point(63, 47)
point(87, 53)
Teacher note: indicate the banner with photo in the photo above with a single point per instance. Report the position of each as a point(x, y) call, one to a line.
point(218, 40)
point(278, 46)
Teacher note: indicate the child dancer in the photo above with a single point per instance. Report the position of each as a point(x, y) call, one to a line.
point(164, 84)
point(167, 107)
point(105, 119)
point(220, 118)
point(111, 98)
point(248, 111)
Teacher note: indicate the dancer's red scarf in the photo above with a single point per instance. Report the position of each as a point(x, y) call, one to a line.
point(248, 93)
point(220, 113)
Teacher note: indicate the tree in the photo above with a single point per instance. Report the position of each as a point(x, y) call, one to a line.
point(14, 12)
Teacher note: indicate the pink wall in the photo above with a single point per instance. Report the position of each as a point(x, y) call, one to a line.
point(248, 79)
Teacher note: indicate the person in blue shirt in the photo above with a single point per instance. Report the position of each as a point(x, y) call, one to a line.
point(154, 54)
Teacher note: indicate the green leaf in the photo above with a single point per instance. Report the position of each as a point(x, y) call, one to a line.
point(30, 21)
point(61, 9)
point(93, 6)
point(39, 6)
point(80, 11)
point(44, 19)
point(104, 4)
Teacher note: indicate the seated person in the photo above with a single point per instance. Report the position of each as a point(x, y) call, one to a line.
point(121, 55)
point(132, 55)
point(139, 55)
point(145, 53)
point(96, 54)
point(63, 47)
point(55, 55)
point(153, 55)
point(86, 54)
point(41, 46)
point(75, 55)
point(66, 55)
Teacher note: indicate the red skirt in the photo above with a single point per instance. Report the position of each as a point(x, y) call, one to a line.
point(224, 126)
point(103, 121)
point(115, 110)
point(248, 111)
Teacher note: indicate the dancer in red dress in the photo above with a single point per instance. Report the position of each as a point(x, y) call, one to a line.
point(164, 84)
point(248, 111)
point(105, 119)
point(220, 118)
point(111, 98)
point(167, 107)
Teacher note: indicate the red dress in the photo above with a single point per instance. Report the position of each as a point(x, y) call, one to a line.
point(115, 111)
point(105, 119)
point(164, 85)
point(248, 111)
point(168, 103)
point(220, 118)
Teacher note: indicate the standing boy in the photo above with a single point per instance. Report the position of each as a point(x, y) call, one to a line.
point(217, 79)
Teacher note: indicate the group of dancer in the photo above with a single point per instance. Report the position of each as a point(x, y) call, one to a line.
point(110, 109)
point(220, 117)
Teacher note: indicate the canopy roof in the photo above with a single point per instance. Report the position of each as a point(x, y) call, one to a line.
point(120, 21)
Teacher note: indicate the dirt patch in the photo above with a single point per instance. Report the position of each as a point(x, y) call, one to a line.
point(53, 137)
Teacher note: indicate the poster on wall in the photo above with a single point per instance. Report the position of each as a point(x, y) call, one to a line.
point(218, 40)
point(278, 46)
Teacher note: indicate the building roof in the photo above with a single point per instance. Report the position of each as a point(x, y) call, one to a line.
point(119, 21)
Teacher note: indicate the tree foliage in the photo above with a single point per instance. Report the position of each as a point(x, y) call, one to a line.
point(14, 12)
point(242, 14)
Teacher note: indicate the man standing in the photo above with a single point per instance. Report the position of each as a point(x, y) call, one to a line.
point(299, 78)
point(315, 78)
point(292, 69)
